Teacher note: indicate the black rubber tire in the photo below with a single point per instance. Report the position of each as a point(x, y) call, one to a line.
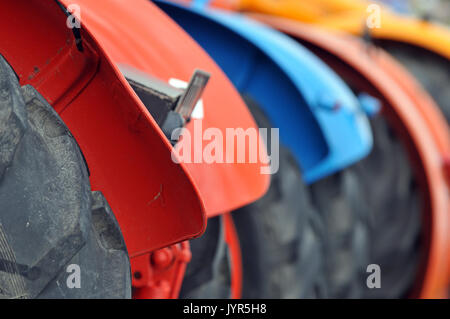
point(432, 71)
point(394, 206)
point(280, 235)
point(342, 206)
point(208, 273)
point(49, 218)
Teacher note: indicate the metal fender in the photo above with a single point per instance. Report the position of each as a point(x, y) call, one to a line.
point(351, 16)
point(412, 31)
point(308, 11)
point(414, 115)
point(159, 47)
point(154, 199)
point(318, 116)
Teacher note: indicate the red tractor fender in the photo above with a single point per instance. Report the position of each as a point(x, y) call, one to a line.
point(415, 117)
point(158, 47)
point(155, 200)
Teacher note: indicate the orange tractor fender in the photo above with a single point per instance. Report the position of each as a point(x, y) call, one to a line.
point(351, 16)
point(402, 29)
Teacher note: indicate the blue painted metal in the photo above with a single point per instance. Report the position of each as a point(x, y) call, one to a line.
point(319, 118)
point(369, 104)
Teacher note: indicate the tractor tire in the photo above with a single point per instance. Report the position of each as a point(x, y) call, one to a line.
point(57, 238)
point(394, 205)
point(208, 273)
point(281, 234)
point(342, 207)
point(432, 71)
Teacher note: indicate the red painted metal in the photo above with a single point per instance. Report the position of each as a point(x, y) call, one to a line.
point(128, 156)
point(232, 240)
point(160, 48)
point(416, 119)
point(159, 275)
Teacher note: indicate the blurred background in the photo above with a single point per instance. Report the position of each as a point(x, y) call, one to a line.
point(438, 10)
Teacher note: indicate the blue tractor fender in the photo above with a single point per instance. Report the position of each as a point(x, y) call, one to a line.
point(320, 120)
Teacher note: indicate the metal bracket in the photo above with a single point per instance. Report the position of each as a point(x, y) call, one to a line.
point(192, 94)
point(170, 107)
point(159, 275)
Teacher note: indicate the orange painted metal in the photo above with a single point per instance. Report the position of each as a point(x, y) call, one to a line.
point(352, 16)
point(416, 119)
